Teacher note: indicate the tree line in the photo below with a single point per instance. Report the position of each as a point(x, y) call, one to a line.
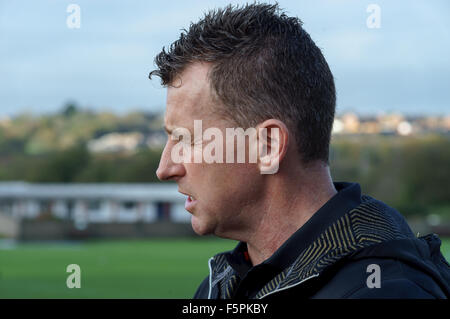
point(410, 173)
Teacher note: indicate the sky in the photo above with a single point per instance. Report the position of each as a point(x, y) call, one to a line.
point(399, 62)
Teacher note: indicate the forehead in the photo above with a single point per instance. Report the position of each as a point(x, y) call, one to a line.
point(189, 97)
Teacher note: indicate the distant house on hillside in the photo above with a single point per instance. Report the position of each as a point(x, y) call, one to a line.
point(116, 142)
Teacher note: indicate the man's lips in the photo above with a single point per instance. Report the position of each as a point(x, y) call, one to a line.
point(190, 202)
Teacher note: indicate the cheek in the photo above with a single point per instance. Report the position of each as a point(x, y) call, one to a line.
point(243, 152)
point(233, 182)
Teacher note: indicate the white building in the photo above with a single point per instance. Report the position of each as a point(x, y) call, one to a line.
point(93, 203)
point(116, 142)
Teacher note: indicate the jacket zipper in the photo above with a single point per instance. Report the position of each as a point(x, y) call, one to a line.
point(210, 277)
point(270, 293)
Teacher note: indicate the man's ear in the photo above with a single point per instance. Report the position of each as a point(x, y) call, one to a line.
point(273, 140)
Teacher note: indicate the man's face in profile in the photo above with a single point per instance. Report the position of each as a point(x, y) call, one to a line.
point(219, 193)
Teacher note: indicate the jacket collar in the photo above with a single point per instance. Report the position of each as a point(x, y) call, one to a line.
point(346, 224)
point(348, 196)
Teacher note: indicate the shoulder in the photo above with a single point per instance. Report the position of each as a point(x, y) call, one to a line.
point(378, 278)
point(400, 288)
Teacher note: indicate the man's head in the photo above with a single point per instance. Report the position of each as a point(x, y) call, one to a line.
point(243, 67)
point(264, 65)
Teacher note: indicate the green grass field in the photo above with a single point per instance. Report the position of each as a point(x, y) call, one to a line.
point(112, 269)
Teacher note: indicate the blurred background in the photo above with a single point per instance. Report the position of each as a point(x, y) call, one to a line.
point(81, 135)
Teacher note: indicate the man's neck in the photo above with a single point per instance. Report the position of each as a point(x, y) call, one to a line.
point(287, 206)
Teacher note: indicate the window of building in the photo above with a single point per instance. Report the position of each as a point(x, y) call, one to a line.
point(129, 205)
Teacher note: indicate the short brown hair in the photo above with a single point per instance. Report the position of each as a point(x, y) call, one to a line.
point(264, 66)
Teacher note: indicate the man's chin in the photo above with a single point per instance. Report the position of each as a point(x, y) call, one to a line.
point(199, 227)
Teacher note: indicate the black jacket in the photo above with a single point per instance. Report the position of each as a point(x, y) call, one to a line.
point(334, 255)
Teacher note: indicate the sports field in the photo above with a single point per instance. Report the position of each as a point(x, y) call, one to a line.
point(111, 269)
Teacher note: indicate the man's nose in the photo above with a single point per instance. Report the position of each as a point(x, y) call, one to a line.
point(167, 169)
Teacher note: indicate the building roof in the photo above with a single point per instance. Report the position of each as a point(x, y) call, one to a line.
point(119, 191)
